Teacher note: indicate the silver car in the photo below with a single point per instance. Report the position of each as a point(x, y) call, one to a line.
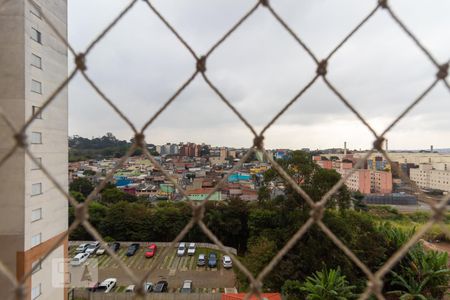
point(187, 286)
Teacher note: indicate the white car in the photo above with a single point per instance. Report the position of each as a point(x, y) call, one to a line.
point(226, 261)
point(100, 251)
point(107, 285)
point(81, 248)
point(92, 248)
point(148, 286)
point(130, 288)
point(79, 259)
point(181, 249)
point(191, 249)
point(187, 287)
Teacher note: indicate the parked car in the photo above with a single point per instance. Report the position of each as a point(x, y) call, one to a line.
point(130, 288)
point(181, 249)
point(187, 286)
point(92, 248)
point(92, 287)
point(150, 251)
point(115, 246)
point(107, 285)
point(148, 286)
point(226, 261)
point(161, 287)
point(201, 261)
point(79, 259)
point(191, 249)
point(212, 260)
point(132, 249)
point(100, 251)
point(81, 248)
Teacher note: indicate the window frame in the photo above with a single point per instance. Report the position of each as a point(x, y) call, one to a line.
point(40, 86)
point(38, 38)
point(40, 61)
point(35, 111)
point(34, 236)
point(34, 134)
point(36, 166)
point(32, 194)
point(33, 297)
point(40, 215)
point(37, 11)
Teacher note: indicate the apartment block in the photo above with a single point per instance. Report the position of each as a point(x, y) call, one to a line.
point(33, 215)
point(426, 177)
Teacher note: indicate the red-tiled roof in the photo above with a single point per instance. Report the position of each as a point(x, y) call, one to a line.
point(240, 296)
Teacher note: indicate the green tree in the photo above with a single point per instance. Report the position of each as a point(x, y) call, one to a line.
point(263, 193)
point(89, 172)
point(81, 185)
point(292, 289)
point(328, 285)
point(422, 275)
point(78, 196)
point(114, 195)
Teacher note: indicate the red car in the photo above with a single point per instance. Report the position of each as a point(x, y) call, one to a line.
point(150, 251)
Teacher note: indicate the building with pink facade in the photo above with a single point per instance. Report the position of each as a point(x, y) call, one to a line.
point(362, 180)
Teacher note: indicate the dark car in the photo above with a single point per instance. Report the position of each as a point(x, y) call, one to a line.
point(115, 246)
point(132, 249)
point(161, 287)
point(212, 260)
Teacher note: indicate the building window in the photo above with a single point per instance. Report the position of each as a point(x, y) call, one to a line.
point(36, 86)
point(36, 61)
point(36, 165)
point(36, 35)
point(35, 9)
point(36, 266)
point(36, 240)
point(36, 138)
point(36, 189)
point(36, 215)
point(37, 112)
point(36, 291)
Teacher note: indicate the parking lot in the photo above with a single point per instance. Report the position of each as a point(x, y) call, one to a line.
point(172, 268)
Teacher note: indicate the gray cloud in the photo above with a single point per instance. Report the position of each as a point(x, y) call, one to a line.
point(259, 69)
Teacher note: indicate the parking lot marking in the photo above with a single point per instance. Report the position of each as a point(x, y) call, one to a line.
point(132, 261)
point(171, 255)
point(106, 261)
point(191, 265)
point(182, 266)
point(166, 259)
point(121, 255)
point(175, 263)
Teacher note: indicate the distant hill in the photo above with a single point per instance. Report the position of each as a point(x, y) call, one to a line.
point(107, 146)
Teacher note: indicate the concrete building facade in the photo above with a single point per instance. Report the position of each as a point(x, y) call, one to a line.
point(426, 177)
point(33, 215)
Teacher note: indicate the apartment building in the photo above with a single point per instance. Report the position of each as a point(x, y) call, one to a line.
point(365, 181)
point(358, 181)
point(426, 177)
point(33, 214)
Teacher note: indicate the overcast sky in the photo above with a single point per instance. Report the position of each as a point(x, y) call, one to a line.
point(140, 64)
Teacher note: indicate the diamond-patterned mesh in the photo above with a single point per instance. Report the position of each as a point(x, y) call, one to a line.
point(374, 280)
